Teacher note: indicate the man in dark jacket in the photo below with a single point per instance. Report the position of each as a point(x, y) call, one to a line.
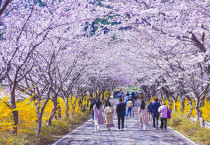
point(120, 113)
point(150, 111)
point(155, 114)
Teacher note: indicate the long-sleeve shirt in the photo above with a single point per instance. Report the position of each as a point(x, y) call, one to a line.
point(163, 111)
point(155, 106)
point(121, 109)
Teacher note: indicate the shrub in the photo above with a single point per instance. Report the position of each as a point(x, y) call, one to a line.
point(175, 122)
point(57, 127)
point(176, 119)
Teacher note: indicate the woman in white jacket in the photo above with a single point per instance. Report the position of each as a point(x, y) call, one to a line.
point(144, 122)
point(163, 115)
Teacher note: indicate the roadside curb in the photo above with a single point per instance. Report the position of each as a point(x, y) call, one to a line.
point(71, 132)
point(193, 143)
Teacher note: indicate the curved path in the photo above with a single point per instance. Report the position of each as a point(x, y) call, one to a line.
point(86, 135)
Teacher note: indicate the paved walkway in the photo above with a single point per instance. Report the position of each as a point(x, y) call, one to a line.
point(86, 135)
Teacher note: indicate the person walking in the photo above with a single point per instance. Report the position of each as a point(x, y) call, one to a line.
point(125, 105)
point(98, 116)
point(133, 95)
point(127, 94)
point(133, 98)
point(144, 122)
point(109, 115)
point(129, 105)
point(150, 111)
point(120, 113)
point(133, 107)
point(126, 98)
point(91, 107)
point(136, 95)
point(105, 104)
point(163, 115)
point(155, 114)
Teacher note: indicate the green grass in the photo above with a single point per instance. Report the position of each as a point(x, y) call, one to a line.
point(189, 128)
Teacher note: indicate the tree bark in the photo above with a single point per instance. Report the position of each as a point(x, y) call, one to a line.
point(40, 115)
point(199, 113)
point(67, 107)
point(174, 104)
point(49, 121)
point(169, 104)
point(39, 124)
point(103, 95)
point(14, 111)
point(182, 100)
point(191, 107)
point(59, 110)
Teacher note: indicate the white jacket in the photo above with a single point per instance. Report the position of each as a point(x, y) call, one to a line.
point(163, 111)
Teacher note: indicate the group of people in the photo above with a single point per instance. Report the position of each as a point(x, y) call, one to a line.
point(147, 113)
point(152, 112)
point(97, 115)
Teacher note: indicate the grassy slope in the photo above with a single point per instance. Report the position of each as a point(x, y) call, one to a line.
point(189, 128)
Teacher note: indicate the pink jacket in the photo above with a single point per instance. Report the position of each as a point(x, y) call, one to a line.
point(163, 111)
point(98, 116)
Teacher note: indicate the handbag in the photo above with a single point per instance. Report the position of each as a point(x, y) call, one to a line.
point(168, 113)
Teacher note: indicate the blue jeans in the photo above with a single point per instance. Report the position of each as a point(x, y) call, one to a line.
point(93, 115)
point(133, 103)
point(155, 117)
point(163, 123)
point(129, 110)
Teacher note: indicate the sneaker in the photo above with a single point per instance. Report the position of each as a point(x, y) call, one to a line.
point(122, 129)
point(165, 129)
point(118, 129)
point(153, 128)
point(109, 130)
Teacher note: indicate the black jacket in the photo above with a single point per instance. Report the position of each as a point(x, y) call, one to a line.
point(91, 106)
point(121, 109)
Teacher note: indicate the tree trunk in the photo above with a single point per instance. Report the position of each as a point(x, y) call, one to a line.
point(182, 103)
point(169, 104)
point(199, 114)
point(190, 111)
point(39, 124)
point(174, 105)
point(40, 114)
point(49, 121)
point(103, 95)
point(67, 107)
point(14, 112)
point(59, 110)
point(91, 94)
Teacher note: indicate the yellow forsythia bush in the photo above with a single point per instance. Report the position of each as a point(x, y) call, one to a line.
point(205, 108)
point(5, 115)
point(28, 113)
